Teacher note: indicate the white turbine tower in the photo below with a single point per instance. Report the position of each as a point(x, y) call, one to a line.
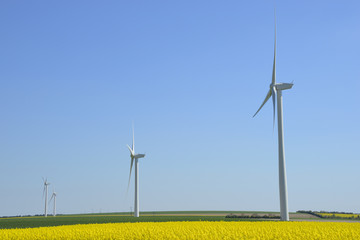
point(53, 196)
point(135, 157)
point(276, 89)
point(45, 191)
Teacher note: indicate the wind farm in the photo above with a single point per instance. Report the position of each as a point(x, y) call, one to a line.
point(184, 82)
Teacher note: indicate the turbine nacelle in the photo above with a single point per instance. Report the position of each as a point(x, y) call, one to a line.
point(46, 182)
point(274, 87)
point(134, 155)
point(283, 86)
point(139, 156)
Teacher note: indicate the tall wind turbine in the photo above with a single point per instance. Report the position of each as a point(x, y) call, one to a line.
point(53, 196)
point(45, 191)
point(276, 89)
point(135, 157)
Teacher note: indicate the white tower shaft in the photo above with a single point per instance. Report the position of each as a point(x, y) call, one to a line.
point(284, 213)
point(54, 205)
point(136, 205)
point(46, 194)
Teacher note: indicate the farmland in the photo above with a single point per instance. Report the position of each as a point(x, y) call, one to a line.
point(340, 215)
point(40, 221)
point(173, 216)
point(177, 225)
point(192, 230)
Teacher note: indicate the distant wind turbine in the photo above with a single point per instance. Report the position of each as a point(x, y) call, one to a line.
point(135, 157)
point(276, 89)
point(45, 191)
point(53, 196)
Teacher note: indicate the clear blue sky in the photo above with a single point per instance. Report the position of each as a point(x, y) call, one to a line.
point(190, 75)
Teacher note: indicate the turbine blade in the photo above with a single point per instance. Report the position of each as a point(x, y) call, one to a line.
point(273, 93)
point(133, 143)
point(131, 165)
point(266, 98)
point(131, 151)
point(273, 80)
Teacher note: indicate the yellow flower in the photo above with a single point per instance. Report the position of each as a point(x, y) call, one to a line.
point(191, 230)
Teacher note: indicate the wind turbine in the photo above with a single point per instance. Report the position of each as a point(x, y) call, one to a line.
point(135, 157)
point(53, 196)
point(45, 191)
point(276, 89)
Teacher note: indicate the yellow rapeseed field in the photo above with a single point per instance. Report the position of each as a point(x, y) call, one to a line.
point(192, 230)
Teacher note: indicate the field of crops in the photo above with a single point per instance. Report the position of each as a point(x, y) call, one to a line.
point(340, 215)
point(192, 230)
point(32, 222)
point(122, 217)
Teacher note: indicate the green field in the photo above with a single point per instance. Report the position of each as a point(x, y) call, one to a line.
point(156, 213)
point(30, 222)
point(40, 221)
